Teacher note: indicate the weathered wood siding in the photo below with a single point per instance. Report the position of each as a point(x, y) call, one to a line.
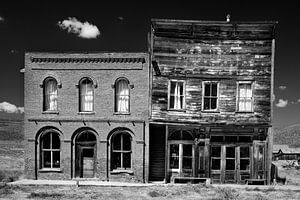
point(224, 52)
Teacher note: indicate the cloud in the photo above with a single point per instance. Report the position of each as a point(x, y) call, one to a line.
point(282, 87)
point(282, 103)
point(10, 108)
point(83, 30)
point(2, 19)
point(120, 18)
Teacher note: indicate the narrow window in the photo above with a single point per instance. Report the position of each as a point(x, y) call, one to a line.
point(176, 95)
point(50, 95)
point(245, 97)
point(86, 99)
point(122, 97)
point(50, 150)
point(121, 151)
point(210, 96)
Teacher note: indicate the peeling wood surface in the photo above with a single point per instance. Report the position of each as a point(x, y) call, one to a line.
point(227, 60)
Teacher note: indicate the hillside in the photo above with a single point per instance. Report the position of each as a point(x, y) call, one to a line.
point(289, 135)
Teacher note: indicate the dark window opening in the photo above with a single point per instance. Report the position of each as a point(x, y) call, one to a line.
point(121, 151)
point(210, 97)
point(50, 150)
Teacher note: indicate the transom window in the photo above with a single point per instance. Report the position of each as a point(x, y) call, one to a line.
point(86, 99)
point(210, 96)
point(50, 95)
point(50, 150)
point(122, 97)
point(176, 95)
point(121, 151)
point(245, 98)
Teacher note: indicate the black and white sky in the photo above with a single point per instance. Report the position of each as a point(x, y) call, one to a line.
point(88, 26)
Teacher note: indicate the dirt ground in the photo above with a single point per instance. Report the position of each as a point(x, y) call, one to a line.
point(173, 192)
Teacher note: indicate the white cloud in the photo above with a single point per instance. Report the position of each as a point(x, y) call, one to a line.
point(282, 103)
point(2, 19)
point(282, 87)
point(10, 108)
point(83, 30)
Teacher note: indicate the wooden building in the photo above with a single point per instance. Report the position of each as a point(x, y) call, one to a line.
point(211, 100)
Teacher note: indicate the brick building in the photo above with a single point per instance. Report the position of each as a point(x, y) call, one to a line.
point(86, 115)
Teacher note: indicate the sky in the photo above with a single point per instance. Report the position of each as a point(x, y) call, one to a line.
point(123, 26)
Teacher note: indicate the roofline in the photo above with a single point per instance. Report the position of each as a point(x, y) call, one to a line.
point(85, 52)
point(212, 22)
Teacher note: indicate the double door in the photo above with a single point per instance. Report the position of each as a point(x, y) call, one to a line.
point(230, 163)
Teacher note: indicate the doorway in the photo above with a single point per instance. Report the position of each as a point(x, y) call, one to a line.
point(85, 155)
point(230, 163)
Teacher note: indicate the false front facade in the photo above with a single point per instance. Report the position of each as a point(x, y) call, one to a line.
point(211, 100)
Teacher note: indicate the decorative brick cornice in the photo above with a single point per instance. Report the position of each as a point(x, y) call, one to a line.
point(87, 60)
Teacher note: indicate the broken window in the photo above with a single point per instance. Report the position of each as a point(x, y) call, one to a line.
point(210, 96)
point(121, 151)
point(230, 158)
point(122, 97)
point(176, 95)
point(244, 158)
point(86, 92)
point(216, 157)
point(245, 97)
point(50, 150)
point(50, 94)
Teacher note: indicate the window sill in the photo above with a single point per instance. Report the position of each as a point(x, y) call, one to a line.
point(210, 111)
point(176, 110)
point(86, 113)
point(122, 171)
point(242, 112)
point(51, 112)
point(122, 113)
point(46, 170)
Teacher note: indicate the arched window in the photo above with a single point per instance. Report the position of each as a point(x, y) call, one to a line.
point(122, 97)
point(86, 95)
point(121, 151)
point(50, 94)
point(50, 150)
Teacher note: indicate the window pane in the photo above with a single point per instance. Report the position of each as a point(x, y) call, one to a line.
point(46, 141)
point(207, 89)
point(126, 142)
point(214, 89)
point(122, 95)
point(201, 158)
point(88, 153)
point(50, 95)
point(206, 103)
point(187, 150)
point(244, 152)
point(187, 163)
point(126, 160)
point(55, 141)
point(174, 156)
point(230, 164)
point(47, 159)
point(180, 88)
point(86, 95)
point(230, 152)
point(172, 88)
point(216, 164)
point(172, 99)
point(245, 164)
point(213, 103)
point(216, 151)
point(116, 160)
point(56, 159)
point(117, 142)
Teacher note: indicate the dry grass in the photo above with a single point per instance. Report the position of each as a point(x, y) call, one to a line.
point(174, 192)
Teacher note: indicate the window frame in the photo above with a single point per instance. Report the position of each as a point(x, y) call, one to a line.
point(184, 94)
point(116, 95)
point(44, 85)
point(80, 95)
point(51, 150)
point(121, 151)
point(217, 97)
point(238, 96)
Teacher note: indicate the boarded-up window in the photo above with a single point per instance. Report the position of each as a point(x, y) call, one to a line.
point(176, 95)
point(210, 96)
point(122, 96)
point(245, 97)
point(121, 151)
point(50, 150)
point(50, 95)
point(86, 91)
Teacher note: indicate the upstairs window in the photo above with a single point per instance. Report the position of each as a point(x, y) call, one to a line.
point(86, 95)
point(210, 96)
point(50, 95)
point(245, 97)
point(176, 95)
point(122, 97)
